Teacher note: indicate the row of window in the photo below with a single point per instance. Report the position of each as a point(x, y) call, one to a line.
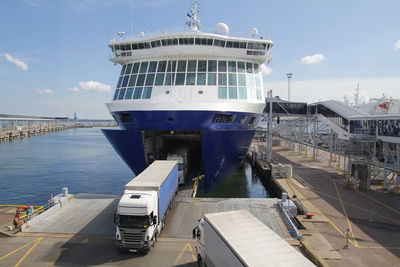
point(223, 93)
point(190, 66)
point(133, 93)
point(191, 41)
point(190, 78)
point(385, 127)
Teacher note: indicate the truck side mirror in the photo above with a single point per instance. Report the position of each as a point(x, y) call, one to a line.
point(155, 219)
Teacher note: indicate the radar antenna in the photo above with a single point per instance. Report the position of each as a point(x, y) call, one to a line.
point(192, 22)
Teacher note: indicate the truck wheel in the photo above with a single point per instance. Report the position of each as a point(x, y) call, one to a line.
point(199, 261)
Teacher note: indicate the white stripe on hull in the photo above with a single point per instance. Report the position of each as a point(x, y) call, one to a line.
point(223, 107)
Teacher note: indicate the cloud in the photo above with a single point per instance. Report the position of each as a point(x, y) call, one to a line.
point(89, 5)
point(45, 92)
point(335, 89)
point(35, 3)
point(19, 63)
point(94, 86)
point(74, 89)
point(315, 59)
point(265, 70)
point(397, 45)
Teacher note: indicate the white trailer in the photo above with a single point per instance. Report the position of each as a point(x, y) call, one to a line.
point(237, 238)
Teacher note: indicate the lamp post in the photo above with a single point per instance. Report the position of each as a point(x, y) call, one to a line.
point(289, 77)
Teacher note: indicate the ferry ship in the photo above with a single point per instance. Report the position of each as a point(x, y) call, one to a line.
point(191, 90)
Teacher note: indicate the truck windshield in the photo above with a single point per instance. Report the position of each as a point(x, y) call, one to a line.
point(127, 221)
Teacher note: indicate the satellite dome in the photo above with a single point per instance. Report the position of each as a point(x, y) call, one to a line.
point(222, 28)
point(254, 32)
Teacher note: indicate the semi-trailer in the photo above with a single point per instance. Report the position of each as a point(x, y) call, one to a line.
point(141, 210)
point(237, 238)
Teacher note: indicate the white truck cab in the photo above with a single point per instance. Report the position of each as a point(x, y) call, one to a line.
point(142, 209)
point(136, 220)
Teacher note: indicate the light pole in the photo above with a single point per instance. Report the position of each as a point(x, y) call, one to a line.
point(289, 77)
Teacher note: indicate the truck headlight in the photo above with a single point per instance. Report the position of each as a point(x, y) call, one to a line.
point(118, 234)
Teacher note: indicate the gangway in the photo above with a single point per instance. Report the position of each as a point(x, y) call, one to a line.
point(341, 130)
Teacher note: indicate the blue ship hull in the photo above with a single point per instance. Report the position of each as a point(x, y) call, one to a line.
point(224, 144)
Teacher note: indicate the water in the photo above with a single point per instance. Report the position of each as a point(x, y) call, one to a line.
point(80, 159)
point(243, 183)
point(84, 161)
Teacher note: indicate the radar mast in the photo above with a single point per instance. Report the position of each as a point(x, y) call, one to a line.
point(192, 22)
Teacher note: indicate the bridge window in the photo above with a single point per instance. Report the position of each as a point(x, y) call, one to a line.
point(181, 66)
point(258, 92)
point(242, 93)
point(180, 79)
point(152, 66)
point(125, 82)
point(202, 66)
point(241, 67)
point(232, 66)
point(212, 66)
point(123, 70)
point(249, 67)
point(233, 93)
point(150, 79)
point(212, 79)
point(116, 94)
point(129, 92)
point(232, 79)
point(242, 79)
point(221, 79)
point(226, 74)
point(222, 66)
point(201, 78)
point(191, 65)
point(147, 93)
point(132, 81)
point(140, 80)
point(121, 94)
point(171, 66)
point(128, 69)
point(138, 93)
point(120, 81)
point(222, 92)
point(159, 79)
point(162, 66)
point(135, 68)
point(143, 67)
point(191, 79)
point(169, 79)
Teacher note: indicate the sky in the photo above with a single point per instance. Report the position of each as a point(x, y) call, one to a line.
point(54, 54)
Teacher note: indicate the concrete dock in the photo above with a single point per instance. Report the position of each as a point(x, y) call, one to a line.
point(81, 233)
point(372, 217)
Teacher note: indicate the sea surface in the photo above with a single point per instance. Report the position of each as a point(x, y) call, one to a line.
point(31, 169)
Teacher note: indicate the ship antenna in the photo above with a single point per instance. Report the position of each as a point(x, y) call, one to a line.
point(192, 22)
point(356, 94)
